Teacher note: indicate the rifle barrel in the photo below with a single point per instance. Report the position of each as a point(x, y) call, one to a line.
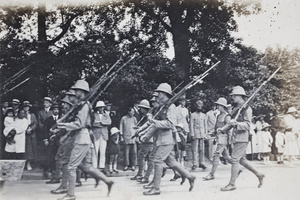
point(254, 93)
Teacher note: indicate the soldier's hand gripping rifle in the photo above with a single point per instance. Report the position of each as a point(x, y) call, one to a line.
point(150, 112)
point(196, 80)
point(247, 103)
point(93, 93)
point(174, 98)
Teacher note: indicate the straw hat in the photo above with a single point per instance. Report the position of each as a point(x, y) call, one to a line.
point(16, 101)
point(55, 105)
point(47, 99)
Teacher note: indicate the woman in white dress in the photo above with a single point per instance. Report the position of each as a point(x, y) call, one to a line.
point(16, 148)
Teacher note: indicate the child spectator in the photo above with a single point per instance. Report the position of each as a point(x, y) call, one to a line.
point(113, 149)
point(182, 143)
point(267, 141)
point(280, 143)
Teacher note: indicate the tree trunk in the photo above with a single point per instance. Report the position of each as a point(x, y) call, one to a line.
point(181, 42)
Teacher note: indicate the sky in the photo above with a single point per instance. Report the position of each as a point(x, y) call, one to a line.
point(277, 24)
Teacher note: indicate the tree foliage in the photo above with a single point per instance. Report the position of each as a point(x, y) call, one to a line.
point(61, 43)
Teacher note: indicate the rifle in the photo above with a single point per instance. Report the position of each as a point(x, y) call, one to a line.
point(14, 77)
point(11, 89)
point(246, 104)
point(150, 112)
point(94, 89)
point(196, 80)
point(102, 91)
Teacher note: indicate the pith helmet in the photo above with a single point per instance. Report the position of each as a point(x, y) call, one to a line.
point(66, 100)
point(81, 85)
point(144, 104)
point(100, 104)
point(71, 93)
point(291, 110)
point(164, 87)
point(238, 90)
point(222, 101)
point(114, 130)
point(265, 125)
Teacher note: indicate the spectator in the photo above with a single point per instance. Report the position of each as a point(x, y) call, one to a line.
point(198, 133)
point(113, 150)
point(31, 145)
point(267, 141)
point(280, 144)
point(15, 146)
point(100, 128)
point(50, 145)
point(127, 124)
point(183, 117)
point(16, 105)
point(290, 149)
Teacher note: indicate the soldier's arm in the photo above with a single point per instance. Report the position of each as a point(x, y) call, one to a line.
point(245, 124)
point(79, 121)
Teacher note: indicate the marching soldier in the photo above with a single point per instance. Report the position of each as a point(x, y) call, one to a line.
point(163, 129)
point(81, 152)
point(145, 147)
point(222, 138)
point(240, 138)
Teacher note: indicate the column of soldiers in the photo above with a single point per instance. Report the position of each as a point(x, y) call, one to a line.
point(159, 137)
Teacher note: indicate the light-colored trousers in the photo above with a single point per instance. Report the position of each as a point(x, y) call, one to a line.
point(100, 147)
point(198, 150)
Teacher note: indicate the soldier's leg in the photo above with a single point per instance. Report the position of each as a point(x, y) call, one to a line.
point(171, 162)
point(144, 149)
point(150, 166)
point(247, 165)
point(216, 158)
point(87, 167)
point(161, 154)
point(78, 153)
